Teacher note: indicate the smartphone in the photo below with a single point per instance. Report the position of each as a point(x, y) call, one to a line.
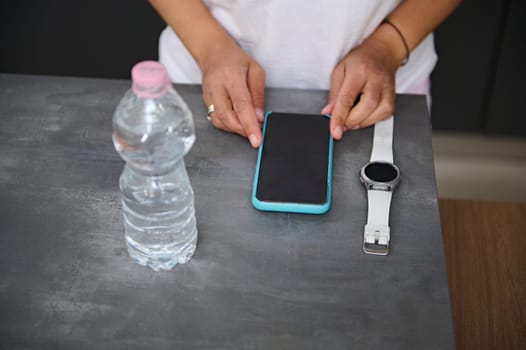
point(294, 165)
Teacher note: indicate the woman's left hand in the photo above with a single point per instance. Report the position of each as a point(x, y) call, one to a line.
point(362, 88)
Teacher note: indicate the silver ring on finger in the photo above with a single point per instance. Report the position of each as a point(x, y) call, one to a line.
point(210, 109)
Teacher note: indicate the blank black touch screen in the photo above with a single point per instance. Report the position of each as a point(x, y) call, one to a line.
point(295, 159)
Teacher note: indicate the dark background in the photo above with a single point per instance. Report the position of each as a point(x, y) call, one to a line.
point(477, 84)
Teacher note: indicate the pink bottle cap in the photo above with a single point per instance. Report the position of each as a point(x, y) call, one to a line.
point(149, 79)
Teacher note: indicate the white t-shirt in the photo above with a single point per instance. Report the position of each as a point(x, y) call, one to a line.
point(298, 42)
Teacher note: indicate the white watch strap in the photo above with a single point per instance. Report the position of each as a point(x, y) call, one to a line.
point(383, 141)
point(377, 232)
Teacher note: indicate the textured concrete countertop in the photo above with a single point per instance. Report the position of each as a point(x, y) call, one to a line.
point(257, 281)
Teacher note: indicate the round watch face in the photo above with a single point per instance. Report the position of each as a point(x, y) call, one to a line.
point(381, 172)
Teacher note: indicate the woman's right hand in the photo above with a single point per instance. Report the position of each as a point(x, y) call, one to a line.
point(232, 80)
point(235, 84)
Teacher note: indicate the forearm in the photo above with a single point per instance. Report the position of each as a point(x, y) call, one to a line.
point(415, 19)
point(195, 26)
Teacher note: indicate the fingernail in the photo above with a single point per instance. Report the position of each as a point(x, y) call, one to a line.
point(260, 114)
point(327, 108)
point(356, 127)
point(338, 132)
point(254, 140)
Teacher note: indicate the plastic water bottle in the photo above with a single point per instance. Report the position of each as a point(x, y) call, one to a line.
point(152, 130)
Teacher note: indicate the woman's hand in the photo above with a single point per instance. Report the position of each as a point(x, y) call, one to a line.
point(362, 88)
point(366, 76)
point(235, 84)
point(232, 80)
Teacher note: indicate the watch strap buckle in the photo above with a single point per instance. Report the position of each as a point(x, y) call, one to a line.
point(376, 239)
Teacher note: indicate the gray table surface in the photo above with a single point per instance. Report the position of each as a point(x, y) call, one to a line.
point(257, 281)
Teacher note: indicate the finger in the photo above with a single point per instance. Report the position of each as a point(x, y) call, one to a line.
point(244, 109)
point(218, 123)
point(207, 96)
point(337, 78)
point(207, 99)
point(384, 110)
point(256, 87)
point(224, 117)
point(335, 125)
point(369, 101)
point(345, 100)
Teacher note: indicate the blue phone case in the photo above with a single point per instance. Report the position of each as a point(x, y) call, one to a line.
point(293, 207)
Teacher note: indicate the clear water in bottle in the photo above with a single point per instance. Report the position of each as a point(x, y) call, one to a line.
point(153, 130)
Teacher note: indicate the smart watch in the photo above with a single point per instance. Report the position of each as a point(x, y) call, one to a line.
point(380, 177)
